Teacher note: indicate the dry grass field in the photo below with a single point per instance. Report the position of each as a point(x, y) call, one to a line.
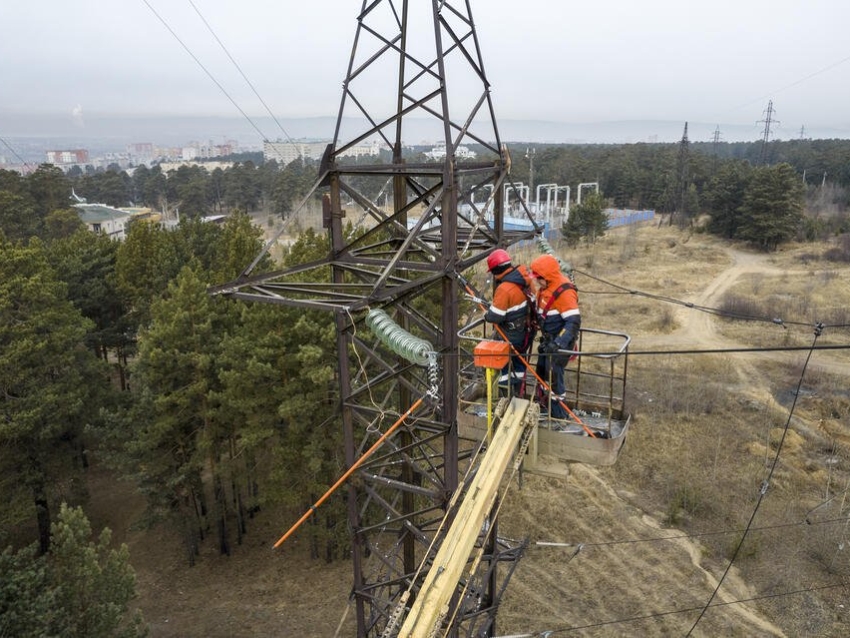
point(714, 449)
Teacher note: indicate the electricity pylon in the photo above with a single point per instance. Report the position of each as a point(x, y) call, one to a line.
point(413, 63)
point(768, 122)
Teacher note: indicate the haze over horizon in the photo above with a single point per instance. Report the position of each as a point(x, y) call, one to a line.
point(606, 72)
point(117, 132)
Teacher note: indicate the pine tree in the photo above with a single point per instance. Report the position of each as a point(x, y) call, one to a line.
point(587, 221)
point(80, 589)
point(50, 384)
point(771, 212)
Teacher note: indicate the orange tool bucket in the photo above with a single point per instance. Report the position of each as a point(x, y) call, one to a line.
point(492, 354)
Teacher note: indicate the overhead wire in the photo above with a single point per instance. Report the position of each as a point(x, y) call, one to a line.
point(672, 612)
point(239, 68)
point(727, 350)
point(796, 82)
point(263, 136)
point(381, 413)
point(693, 306)
point(205, 70)
point(630, 541)
point(12, 150)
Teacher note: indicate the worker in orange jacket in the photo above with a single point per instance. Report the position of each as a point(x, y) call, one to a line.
point(559, 320)
point(511, 310)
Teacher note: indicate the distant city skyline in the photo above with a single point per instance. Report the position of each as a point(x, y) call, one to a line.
point(115, 135)
point(183, 130)
point(567, 65)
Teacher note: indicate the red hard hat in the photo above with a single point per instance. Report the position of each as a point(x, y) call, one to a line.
point(498, 257)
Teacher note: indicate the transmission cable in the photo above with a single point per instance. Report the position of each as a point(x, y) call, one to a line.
point(764, 486)
point(20, 159)
point(689, 304)
point(205, 70)
point(661, 614)
point(723, 350)
point(806, 521)
point(796, 82)
point(238, 68)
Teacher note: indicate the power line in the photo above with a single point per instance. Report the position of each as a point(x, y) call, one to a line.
point(796, 82)
point(205, 70)
point(238, 68)
point(725, 350)
point(805, 522)
point(549, 632)
point(20, 159)
point(693, 306)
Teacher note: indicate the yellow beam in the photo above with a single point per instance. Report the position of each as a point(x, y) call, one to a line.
point(432, 602)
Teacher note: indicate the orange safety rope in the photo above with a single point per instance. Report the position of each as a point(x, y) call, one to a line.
point(472, 293)
point(349, 472)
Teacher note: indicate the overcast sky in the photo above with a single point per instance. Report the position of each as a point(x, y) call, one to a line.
point(716, 61)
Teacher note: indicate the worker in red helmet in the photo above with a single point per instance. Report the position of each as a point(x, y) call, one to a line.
point(511, 311)
point(559, 319)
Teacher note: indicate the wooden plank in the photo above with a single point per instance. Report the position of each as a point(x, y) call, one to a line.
point(431, 605)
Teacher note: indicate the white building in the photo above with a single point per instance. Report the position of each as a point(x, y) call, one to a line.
point(286, 152)
point(105, 220)
point(439, 152)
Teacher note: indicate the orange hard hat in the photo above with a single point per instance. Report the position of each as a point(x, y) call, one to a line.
point(497, 258)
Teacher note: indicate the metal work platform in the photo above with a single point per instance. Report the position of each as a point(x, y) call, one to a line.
point(595, 431)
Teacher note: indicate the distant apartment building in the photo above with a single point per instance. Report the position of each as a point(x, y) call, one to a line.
point(141, 149)
point(197, 150)
point(141, 152)
point(69, 158)
point(286, 152)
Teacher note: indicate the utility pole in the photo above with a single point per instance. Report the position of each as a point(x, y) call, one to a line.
point(768, 120)
point(529, 153)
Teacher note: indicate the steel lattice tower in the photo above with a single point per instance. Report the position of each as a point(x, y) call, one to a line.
point(765, 139)
point(413, 62)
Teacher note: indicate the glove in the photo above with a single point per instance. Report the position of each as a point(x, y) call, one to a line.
point(547, 347)
point(564, 342)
